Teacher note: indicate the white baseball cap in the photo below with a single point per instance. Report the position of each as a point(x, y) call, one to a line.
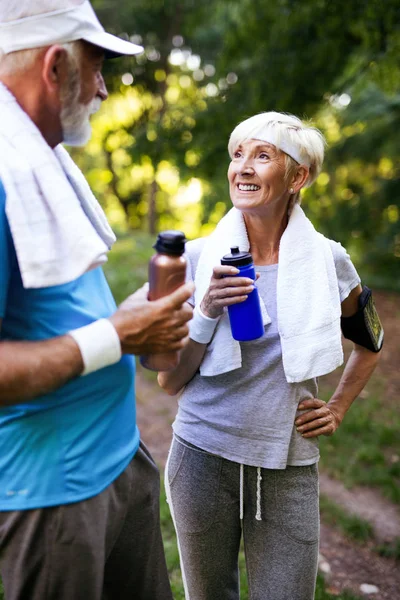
point(77, 22)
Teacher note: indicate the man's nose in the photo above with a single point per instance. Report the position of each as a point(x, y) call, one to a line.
point(101, 88)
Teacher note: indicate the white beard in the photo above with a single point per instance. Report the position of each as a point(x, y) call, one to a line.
point(75, 118)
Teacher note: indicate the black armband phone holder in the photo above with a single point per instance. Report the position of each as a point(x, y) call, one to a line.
point(364, 327)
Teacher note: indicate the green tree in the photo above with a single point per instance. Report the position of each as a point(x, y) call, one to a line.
point(206, 66)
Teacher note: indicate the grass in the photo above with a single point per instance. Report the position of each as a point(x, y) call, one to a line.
point(389, 549)
point(365, 450)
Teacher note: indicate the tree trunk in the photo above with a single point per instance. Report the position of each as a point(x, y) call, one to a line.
point(152, 214)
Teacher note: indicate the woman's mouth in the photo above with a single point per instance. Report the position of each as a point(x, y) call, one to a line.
point(248, 187)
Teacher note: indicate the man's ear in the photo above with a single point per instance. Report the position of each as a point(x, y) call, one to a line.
point(55, 69)
point(299, 178)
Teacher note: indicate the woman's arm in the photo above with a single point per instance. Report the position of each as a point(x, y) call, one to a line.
point(189, 362)
point(223, 291)
point(324, 418)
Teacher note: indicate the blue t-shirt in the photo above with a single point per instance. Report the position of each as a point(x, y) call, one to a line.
point(72, 443)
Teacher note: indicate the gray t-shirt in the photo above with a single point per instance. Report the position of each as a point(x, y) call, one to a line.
point(247, 415)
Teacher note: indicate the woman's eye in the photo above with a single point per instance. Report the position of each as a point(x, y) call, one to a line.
point(237, 154)
point(264, 156)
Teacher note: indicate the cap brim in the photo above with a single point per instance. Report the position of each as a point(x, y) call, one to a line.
point(113, 45)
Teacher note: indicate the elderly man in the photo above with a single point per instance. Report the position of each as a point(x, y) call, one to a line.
point(78, 490)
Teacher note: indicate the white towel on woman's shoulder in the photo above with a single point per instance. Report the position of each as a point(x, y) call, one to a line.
point(308, 302)
point(59, 229)
point(223, 353)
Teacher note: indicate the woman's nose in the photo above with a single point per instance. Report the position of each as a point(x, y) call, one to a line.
point(245, 166)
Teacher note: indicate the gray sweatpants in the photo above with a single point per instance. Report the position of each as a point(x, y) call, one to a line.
point(108, 547)
point(281, 549)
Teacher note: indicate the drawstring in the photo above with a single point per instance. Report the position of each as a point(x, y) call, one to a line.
point(259, 478)
point(241, 492)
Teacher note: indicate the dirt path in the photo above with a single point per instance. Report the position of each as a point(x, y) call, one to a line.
point(367, 504)
point(352, 566)
point(346, 565)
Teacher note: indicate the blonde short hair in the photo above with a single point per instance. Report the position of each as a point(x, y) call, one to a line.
point(287, 131)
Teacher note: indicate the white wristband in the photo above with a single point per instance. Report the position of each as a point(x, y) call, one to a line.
point(201, 327)
point(99, 344)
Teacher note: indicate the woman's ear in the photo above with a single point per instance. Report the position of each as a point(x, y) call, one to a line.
point(299, 179)
point(55, 69)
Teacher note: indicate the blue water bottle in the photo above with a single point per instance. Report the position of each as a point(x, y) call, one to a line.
point(245, 318)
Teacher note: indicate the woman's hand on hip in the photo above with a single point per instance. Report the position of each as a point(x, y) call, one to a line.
point(225, 289)
point(319, 419)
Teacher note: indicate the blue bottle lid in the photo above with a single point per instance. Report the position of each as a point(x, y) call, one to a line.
point(170, 242)
point(237, 258)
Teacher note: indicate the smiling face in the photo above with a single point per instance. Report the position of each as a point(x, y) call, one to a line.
point(256, 177)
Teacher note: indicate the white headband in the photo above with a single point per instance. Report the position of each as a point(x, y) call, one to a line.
point(272, 136)
point(59, 27)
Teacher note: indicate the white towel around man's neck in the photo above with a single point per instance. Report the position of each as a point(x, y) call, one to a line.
point(59, 229)
point(308, 302)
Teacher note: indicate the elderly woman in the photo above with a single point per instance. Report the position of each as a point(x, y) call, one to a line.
point(245, 449)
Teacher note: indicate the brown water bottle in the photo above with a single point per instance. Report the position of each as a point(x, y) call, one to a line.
point(167, 272)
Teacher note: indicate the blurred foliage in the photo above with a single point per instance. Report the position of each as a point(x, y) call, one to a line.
point(158, 155)
point(127, 266)
point(356, 198)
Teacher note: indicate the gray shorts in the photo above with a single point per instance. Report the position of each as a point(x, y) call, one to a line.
point(281, 544)
point(107, 547)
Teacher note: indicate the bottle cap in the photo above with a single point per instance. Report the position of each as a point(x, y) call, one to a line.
point(237, 258)
point(170, 242)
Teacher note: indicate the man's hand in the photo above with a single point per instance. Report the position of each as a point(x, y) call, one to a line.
point(320, 419)
point(155, 327)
